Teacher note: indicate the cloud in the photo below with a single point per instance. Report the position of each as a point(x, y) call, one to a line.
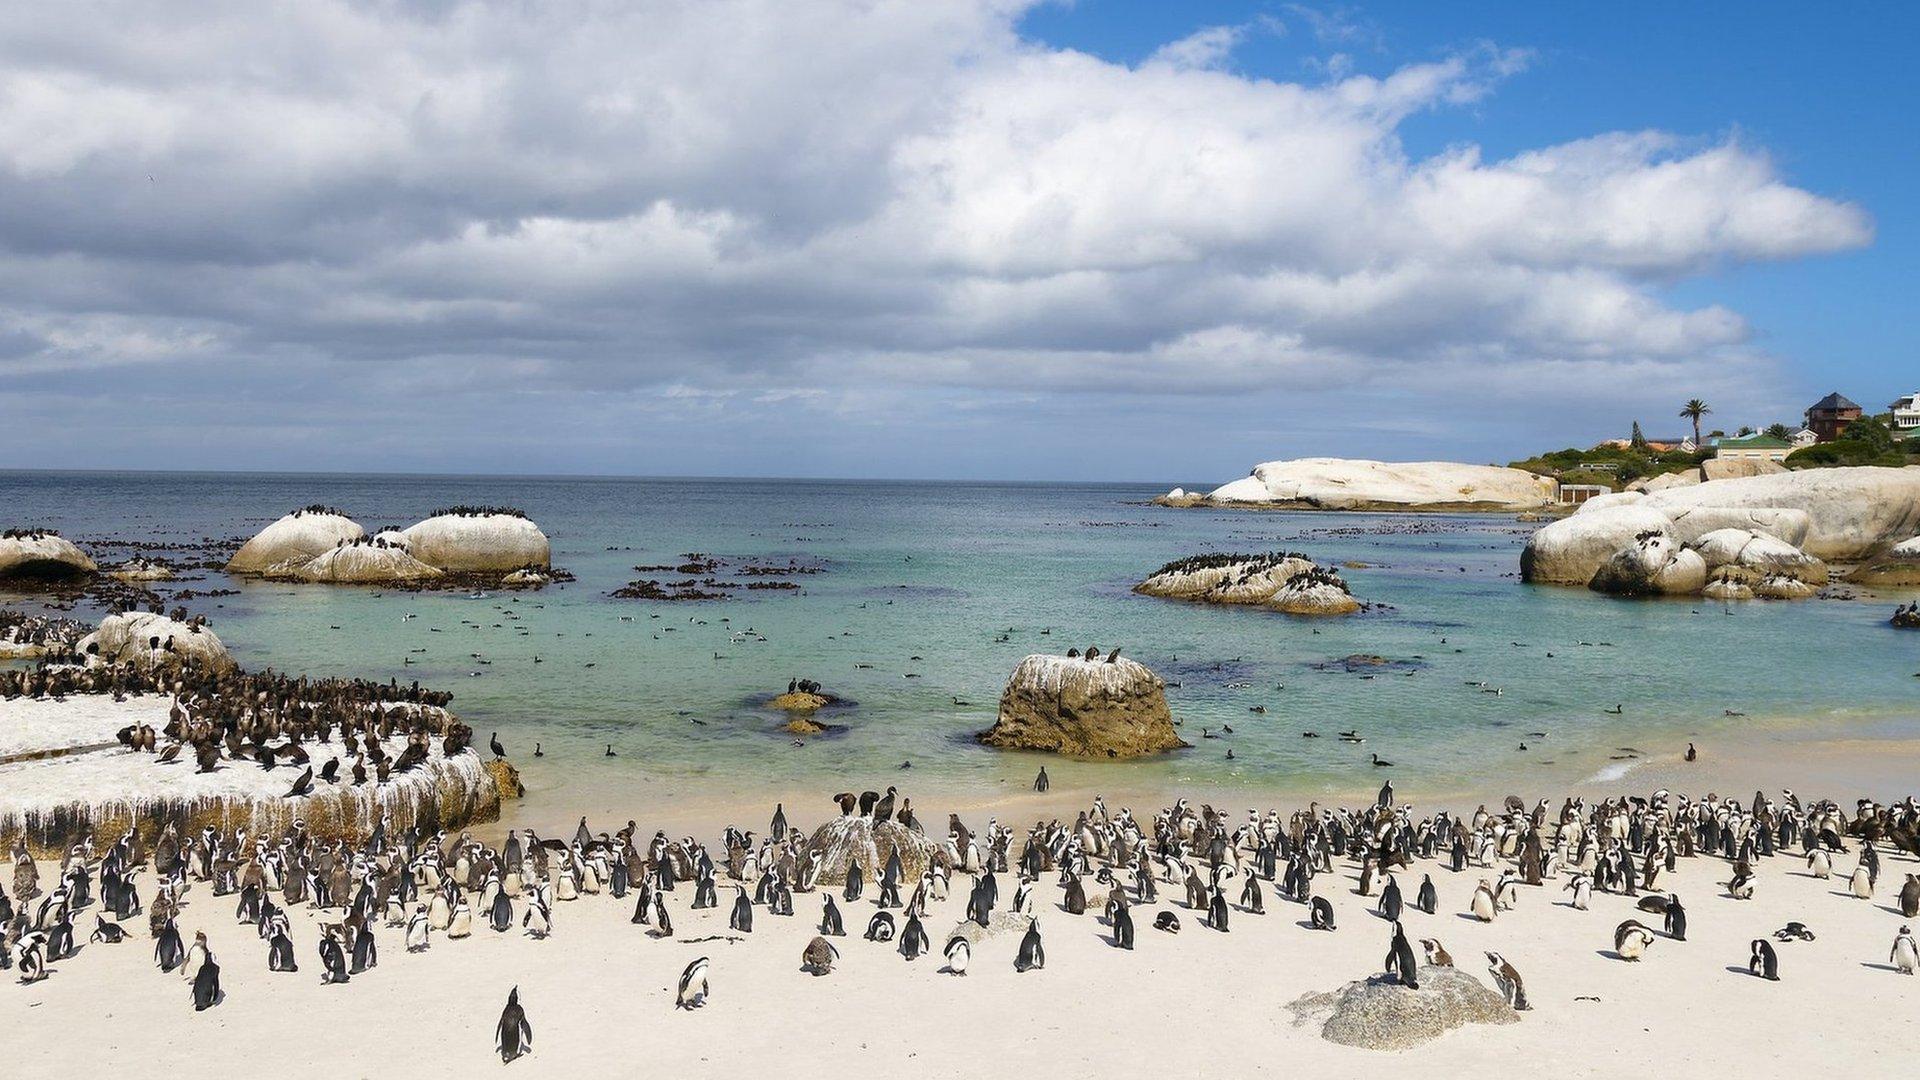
point(747, 205)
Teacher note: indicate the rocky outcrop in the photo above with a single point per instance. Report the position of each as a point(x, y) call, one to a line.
point(464, 541)
point(1570, 551)
point(1750, 557)
point(853, 838)
point(359, 563)
point(1690, 524)
point(41, 555)
point(146, 639)
point(1180, 497)
point(1852, 513)
point(1898, 568)
point(1284, 581)
point(1095, 709)
point(138, 569)
point(1354, 484)
point(1653, 565)
point(1684, 478)
point(301, 535)
point(1380, 1014)
point(1735, 468)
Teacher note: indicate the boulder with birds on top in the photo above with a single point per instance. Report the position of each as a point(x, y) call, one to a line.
point(41, 555)
point(857, 838)
point(1653, 565)
point(1082, 708)
point(465, 540)
point(1570, 551)
point(149, 640)
point(357, 563)
point(297, 537)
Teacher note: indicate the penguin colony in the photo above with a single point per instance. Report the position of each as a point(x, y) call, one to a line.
point(426, 888)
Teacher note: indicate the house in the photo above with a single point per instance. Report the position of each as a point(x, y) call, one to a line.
point(1830, 416)
point(1803, 437)
point(1906, 415)
point(1759, 446)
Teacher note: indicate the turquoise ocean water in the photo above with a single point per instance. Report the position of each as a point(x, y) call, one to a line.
point(928, 594)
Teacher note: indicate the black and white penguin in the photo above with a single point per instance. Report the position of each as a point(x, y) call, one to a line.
point(513, 1036)
point(500, 915)
point(1910, 897)
point(1168, 921)
point(1905, 957)
point(206, 985)
point(1507, 978)
point(741, 918)
point(104, 931)
point(1390, 903)
point(1321, 915)
point(280, 949)
point(1437, 954)
point(29, 955)
point(333, 958)
point(1676, 921)
point(1040, 783)
point(880, 927)
point(855, 881)
point(1630, 940)
point(1400, 962)
point(1032, 955)
point(416, 937)
point(1764, 962)
point(1217, 911)
point(692, 992)
point(168, 951)
point(1250, 899)
point(1428, 899)
point(914, 939)
point(366, 952)
point(1122, 919)
point(959, 954)
point(830, 923)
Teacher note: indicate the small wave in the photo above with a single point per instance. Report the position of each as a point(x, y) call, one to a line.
point(1617, 770)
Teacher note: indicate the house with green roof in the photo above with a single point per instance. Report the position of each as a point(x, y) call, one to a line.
point(1758, 446)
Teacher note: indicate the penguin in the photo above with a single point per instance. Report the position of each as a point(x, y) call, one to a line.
point(1040, 783)
point(959, 953)
point(1428, 899)
point(662, 923)
point(692, 992)
point(513, 1036)
point(830, 924)
point(1390, 903)
point(1122, 920)
point(1764, 962)
point(206, 985)
point(1032, 955)
point(1862, 882)
point(107, 932)
point(280, 950)
point(1910, 897)
point(1820, 863)
point(30, 958)
point(1676, 925)
point(366, 952)
point(1217, 912)
point(1507, 978)
point(461, 924)
point(1076, 898)
point(855, 881)
point(1437, 954)
point(1483, 906)
point(1905, 957)
point(1400, 962)
point(500, 915)
point(167, 950)
point(1322, 914)
point(880, 927)
point(1630, 940)
point(417, 929)
point(741, 918)
point(1250, 899)
point(818, 957)
point(1167, 921)
point(913, 938)
point(333, 958)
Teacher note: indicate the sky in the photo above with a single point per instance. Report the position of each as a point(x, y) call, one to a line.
point(944, 239)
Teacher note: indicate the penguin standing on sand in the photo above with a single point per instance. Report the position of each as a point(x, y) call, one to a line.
point(1630, 940)
point(1040, 783)
point(280, 948)
point(1321, 916)
point(333, 958)
point(959, 955)
point(1250, 898)
point(741, 919)
point(105, 931)
point(206, 985)
point(417, 929)
point(1676, 925)
point(662, 923)
point(461, 924)
point(1428, 899)
point(366, 952)
point(500, 916)
point(513, 1036)
point(1032, 955)
point(1400, 962)
point(692, 992)
point(167, 950)
point(1764, 963)
point(1507, 979)
point(880, 927)
point(29, 956)
point(1122, 919)
point(830, 923)
point(1910, 897)
point(1905, 957)
point(914, 939)
point(1390, 903)
point(1483, 906)
point(1217, 911)
point(855, 881)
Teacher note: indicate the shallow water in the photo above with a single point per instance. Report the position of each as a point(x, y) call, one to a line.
point(969, 578)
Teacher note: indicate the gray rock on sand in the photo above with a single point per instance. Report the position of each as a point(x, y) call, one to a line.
point(42, 555)
point(1380, 1014)
point(1083, 708)
point(847, 839)
point(299, 536)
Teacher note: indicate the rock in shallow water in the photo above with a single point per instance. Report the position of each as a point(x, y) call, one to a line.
point(1380, 1014)
point(1082, 708)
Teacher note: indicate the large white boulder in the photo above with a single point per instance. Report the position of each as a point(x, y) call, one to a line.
point(299, 536)
point(359, 563)
point(1653, 565)
point(1684, 478)
point(146, 639)
point(1570, 551)
point(39, 554)
point(1356, 484)
point(466, 542)
point(1733, 468)
point(1788, 525)
point(1755, 556)
point(1852, 512)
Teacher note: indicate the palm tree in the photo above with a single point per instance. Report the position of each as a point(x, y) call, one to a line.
point(1779, 431)
point(1694, 410)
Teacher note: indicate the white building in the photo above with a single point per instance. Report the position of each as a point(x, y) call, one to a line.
point(1906, 415)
